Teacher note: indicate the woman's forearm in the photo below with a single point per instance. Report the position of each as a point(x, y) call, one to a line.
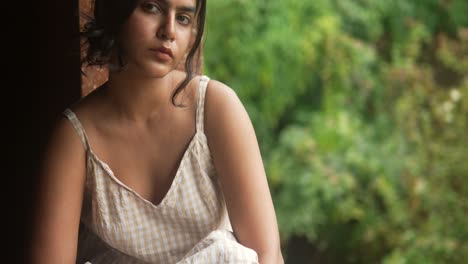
point(271, 257)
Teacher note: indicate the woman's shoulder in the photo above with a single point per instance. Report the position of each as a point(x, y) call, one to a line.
point(77, 116)
point(88, 102)
point(77, 110)
point(90, 108)
point(65, 143)
point(223, 109)
point(220, 96)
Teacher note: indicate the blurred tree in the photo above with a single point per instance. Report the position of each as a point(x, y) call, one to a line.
point(361, 110)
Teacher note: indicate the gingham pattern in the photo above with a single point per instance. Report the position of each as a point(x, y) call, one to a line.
point(190, 225)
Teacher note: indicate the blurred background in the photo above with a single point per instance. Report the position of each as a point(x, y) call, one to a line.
point(361, 112)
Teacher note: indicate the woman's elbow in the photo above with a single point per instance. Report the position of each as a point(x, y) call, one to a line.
point(271, 257)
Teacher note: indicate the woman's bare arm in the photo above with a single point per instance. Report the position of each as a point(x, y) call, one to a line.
point(59, 200)
point(232, 141)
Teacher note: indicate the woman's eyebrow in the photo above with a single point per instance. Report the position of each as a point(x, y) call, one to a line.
point(190, 9)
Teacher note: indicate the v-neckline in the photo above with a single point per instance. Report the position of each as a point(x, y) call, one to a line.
point(175, 180)
point(172, 187)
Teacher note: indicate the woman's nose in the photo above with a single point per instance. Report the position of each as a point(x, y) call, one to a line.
point(167, 28)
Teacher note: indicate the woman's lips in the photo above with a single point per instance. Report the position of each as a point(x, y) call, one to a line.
point(162, 53)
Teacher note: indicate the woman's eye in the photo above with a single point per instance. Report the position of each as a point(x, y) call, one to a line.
point(153, 8)
point(184, 20)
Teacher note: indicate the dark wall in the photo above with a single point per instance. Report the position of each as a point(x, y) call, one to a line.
point(49, 81)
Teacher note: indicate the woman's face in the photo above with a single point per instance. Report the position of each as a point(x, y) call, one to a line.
point(157, 35)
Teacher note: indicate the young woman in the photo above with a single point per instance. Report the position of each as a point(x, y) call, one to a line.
point(157, 165)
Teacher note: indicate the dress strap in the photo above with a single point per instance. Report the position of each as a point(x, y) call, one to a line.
point(78, 127)
point(201, 102)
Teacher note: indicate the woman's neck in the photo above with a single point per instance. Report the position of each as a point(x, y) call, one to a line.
point(139, 99)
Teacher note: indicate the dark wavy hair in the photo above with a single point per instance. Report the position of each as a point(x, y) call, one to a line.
point(100, 34)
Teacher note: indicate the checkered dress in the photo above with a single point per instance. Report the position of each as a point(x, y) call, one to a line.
point(190, 225)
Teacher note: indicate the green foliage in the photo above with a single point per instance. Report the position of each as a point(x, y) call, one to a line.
point(361, 110)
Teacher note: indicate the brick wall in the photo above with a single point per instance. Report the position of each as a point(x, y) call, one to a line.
point(95, 76)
